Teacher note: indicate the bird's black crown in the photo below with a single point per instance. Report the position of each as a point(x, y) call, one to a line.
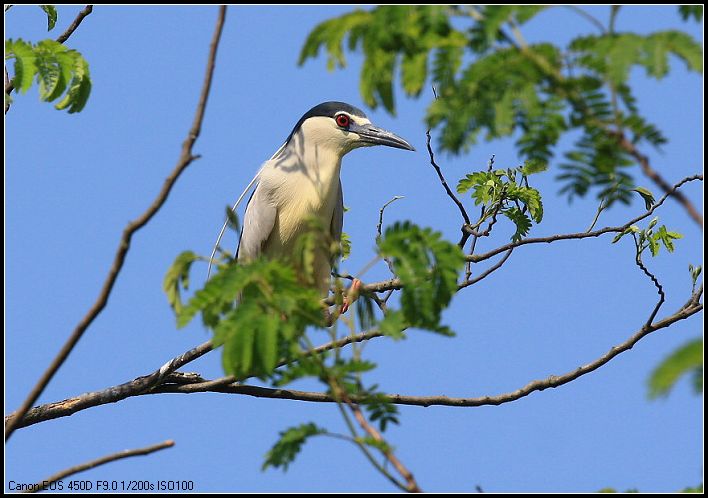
point(327, 109)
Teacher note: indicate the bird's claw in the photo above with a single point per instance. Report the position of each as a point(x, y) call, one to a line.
point(352, 295)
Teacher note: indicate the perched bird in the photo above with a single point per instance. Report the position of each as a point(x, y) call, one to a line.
point(301, 182)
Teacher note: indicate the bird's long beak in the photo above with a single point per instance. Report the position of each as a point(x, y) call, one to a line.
point(378, 136)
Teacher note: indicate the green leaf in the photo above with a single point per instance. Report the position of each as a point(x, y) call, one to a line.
point(51, 12)
point(232, 220)
point(428, 267)
point(379, 444)
point(346, 243)
point(393, 324)
point(286, 449)
point(414, 72)
point(381, 410)
point(267, 345)
point(178, 276)
point(80, 87)
point(630, 229)
point(530, 197)
point(25, 63)
point(687, 358)
point(693, 489)
point(695, 272)
point(365, 312)
point(532, 167)
point(653, 245)
point(694, 11)
point(521, 220)
point(646, 195)
point(667, 237)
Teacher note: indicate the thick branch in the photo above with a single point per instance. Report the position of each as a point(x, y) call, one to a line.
point(141, 385)
point(185, 160)
point(45, 484)
point(691, 308)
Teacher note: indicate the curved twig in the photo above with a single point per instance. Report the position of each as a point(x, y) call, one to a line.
point(449, 192)
point(46, 483)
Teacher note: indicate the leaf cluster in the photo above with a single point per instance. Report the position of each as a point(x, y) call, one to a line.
point(258, 311)
point(492, 83)
point(289, 445)
point(650, 238)
point(57, 69)
point(506, 192)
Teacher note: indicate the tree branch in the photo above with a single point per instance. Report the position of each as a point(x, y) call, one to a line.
point(552, 381)
point(72, 27)
point(149, 383)
point(395, 283)
point(411, 484)
point(158, 381)
point(44, 485)
point(185, 160)
point(584, 235)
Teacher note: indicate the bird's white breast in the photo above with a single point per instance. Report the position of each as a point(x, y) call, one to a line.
point(301, 184)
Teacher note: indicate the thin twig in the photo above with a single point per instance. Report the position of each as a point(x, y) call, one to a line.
point(449, 192)
point(411, 484)
point(588, 16)
point(45, 484)
point(72, 27)
point(652, 277)
point(185, 160)
point(380, 225)
point(467, 282)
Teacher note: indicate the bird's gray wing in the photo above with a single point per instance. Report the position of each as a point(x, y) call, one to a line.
point(258, 223)
point(335, 228)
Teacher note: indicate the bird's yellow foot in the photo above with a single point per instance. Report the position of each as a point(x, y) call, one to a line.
point(352, 295)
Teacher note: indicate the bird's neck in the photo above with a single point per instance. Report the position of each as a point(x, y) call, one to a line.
point(317, 165)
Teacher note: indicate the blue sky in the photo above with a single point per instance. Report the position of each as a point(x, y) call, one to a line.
point(72, 182)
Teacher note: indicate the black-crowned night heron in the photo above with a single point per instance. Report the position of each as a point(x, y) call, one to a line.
point(301, 182)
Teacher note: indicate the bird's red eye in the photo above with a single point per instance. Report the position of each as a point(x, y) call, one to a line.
point(342, 120)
